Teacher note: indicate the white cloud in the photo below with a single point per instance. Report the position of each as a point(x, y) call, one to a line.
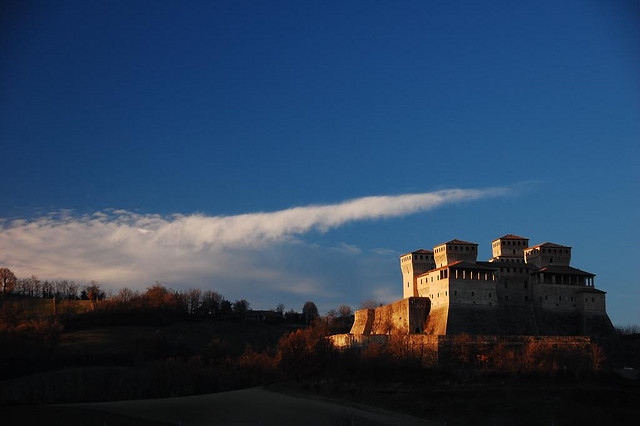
point(119, 247)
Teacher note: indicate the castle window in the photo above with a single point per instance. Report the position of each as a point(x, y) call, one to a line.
point(593, 299)
point(506, 298)
point(455, 293)
point(446, 293)
point(473, 293)
point(545, 297)
point(526, 298)
point(489, 294)
point(551, 260)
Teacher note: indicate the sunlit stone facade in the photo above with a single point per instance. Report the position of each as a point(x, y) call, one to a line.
point(521, 290)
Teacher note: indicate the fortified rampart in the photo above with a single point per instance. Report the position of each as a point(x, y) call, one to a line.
point(521, 290)
point(402, 317)
point(439, 349)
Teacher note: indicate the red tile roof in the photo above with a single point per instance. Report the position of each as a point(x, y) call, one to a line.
point(419, 251)
point(457, 242)
point(510, 237)
point(548, 245)
point(565, 270)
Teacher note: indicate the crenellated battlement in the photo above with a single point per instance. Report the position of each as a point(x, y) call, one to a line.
point(520, 290)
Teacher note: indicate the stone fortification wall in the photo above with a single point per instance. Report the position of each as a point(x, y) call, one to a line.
point(500, 321)
point(437, 320)
point(362, 322)
point(402, 317)
point(481, 319)
point(415, 315)
point(438, 350)
point(568, 323)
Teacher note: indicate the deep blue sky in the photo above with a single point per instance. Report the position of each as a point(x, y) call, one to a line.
point(228, 107)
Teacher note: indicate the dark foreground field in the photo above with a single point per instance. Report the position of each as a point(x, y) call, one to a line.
point(324, 403)
point(153, 370)
point(243, 407)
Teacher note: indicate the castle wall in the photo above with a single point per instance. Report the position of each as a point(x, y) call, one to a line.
point(473, 292)
point(441, 350)
point(514, 291)
point(591, 302)
point(402, 317)
point(437, 320)
point(558, 296)
point(363, 321)
point(508, 295)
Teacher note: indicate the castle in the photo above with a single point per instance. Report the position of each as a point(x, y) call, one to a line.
point(521, 290)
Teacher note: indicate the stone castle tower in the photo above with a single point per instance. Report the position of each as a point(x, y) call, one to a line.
point(521, 290)
point(413, 264)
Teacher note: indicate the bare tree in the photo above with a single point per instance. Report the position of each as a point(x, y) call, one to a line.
point(23, 286)
point(280, 309)
point(126, 295)
point(72, 290)
point(211, 301)
point(8, 280)
point(370, 304)
point(193, 300)
point(61, 289)
point(331, 316)
point(241, 307)
point(310, 312)
point(94, 293)
point(345, 311)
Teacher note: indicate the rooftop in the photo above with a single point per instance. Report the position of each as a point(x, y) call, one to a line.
point(548, 245)
point(510, 237)
point(419, 251)
point(458, 242)
point(566, 270)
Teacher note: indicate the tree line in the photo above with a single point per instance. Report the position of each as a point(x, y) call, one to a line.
point(192, 302)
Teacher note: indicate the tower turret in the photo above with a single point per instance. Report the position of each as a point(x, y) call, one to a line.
point(413, 264)
point(509, 246)
point(548, 254)
point(455, 250)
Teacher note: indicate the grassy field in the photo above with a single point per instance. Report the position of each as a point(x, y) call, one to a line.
point(119, 362)
point(495, 403)
point(127, 342)
point(256, 406)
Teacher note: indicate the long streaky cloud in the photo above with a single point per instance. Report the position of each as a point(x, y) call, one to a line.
point(252, 228)
point(120, 245)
